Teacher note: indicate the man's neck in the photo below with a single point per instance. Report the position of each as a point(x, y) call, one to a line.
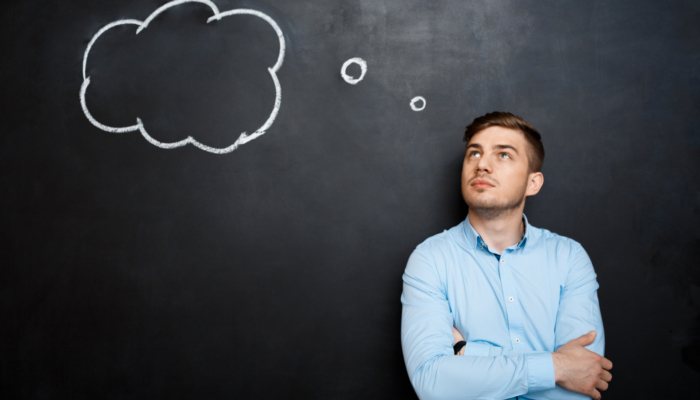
point(501, 232)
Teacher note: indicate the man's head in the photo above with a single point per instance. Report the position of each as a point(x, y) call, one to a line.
point(502, 164)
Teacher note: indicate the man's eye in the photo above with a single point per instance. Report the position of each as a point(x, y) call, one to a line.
point(504, 155)
point(474, 154)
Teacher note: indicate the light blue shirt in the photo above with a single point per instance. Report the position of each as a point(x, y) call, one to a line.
point(512, 312)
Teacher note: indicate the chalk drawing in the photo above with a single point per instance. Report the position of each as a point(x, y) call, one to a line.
point(244, 137)
point(415, 100)
point(349, 79)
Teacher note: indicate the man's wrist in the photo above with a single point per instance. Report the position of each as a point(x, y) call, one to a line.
point(556, 361)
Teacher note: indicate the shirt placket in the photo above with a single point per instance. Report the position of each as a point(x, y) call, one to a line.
point(510, 293)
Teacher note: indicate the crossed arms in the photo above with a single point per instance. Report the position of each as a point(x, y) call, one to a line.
point(576, 363)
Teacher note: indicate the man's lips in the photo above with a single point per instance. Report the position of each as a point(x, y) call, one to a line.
point(481, 184)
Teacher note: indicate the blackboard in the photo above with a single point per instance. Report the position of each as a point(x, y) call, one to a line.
point(274, 270)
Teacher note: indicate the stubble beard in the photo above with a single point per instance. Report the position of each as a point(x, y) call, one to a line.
point(491, 209)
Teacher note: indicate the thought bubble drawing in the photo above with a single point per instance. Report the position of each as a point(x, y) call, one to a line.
point(363, 67)
point(415, 100)
point(244, 137)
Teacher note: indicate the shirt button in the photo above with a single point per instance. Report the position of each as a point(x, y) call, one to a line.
point(510, 299)
point(517, 340)
point(503, 260)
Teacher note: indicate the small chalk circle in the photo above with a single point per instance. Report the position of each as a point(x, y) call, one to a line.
point(415, 100)
point(349, 79)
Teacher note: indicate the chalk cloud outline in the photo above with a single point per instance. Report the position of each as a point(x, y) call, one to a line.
point(244, 137)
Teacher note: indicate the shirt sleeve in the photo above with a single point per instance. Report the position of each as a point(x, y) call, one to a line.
point(426, 338)
point(579, 313)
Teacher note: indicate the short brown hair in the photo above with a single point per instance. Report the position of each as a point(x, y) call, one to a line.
point(508, 120)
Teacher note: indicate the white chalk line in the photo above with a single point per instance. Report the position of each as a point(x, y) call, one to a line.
point(173, 4)
point(416, 99)
point(83, 89)
point(269, 20)
point(100, 32)
point(244, 137)
point(363, 67)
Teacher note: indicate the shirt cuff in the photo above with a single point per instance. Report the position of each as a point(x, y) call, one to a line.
point(540, 371)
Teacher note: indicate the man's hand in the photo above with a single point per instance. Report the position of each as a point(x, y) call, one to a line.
point(581, 370)
point(458, 338)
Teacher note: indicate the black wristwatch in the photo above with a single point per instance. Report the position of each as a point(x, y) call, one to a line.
point(458, 346)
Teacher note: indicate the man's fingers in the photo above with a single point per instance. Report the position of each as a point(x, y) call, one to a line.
point(601, 385)
point(606, 364)
point(595, 394)
point(585, 340)
point(606, 376)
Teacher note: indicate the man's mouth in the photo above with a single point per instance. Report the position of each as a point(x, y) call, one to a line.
point(481, 184)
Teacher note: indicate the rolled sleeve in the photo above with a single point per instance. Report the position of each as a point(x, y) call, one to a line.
point(540, 371)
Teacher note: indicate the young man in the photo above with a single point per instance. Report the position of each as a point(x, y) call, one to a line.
point(524, 298)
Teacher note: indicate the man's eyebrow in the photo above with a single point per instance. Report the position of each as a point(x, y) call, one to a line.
point(505, 146)
point(474, 145)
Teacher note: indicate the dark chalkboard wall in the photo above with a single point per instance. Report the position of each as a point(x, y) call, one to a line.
point(274, 271)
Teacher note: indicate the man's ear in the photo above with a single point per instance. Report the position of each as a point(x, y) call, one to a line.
point(534, 183)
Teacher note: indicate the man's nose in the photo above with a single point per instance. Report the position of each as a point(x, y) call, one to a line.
point(483, 165)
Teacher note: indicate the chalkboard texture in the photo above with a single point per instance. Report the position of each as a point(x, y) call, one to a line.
point(130, 270)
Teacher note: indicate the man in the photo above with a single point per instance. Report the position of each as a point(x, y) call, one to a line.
point(524, 298)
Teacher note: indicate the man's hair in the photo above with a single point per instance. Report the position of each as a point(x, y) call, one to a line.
point(510, 121)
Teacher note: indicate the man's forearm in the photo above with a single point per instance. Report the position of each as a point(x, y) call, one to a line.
point(477, 377)
point(487, 349)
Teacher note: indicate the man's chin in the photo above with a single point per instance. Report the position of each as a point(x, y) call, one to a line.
point(492, 209)
point(481, 201)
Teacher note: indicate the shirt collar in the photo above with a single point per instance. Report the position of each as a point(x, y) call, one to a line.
point(474, 239)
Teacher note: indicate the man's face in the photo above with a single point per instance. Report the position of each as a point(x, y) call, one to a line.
point(495, 171)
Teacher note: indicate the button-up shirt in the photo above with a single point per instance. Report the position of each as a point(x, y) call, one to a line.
point(513, 310)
